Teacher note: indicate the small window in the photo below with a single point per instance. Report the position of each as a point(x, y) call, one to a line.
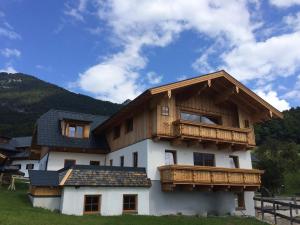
point(246, 123)
point(69, 162)
point(95, 163)
point(122, 161)
point(165, 110)
point(170, 157)
point(117, 131)
point(135, 159)
point(130, 203)
point(207, 119)
point(239, 201)
point(111, 162)
point(91, 204)
point(234, 161)
point(29, 166)
point(72, 131)
point(129, 125)
point(79, 131)
point(19, 166)
point(204, 159)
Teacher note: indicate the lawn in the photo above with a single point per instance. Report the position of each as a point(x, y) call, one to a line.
point(15, 209)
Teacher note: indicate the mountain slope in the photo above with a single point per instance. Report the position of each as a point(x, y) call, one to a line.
point(23, 98)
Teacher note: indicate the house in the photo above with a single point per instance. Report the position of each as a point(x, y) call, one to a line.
point(21, 158)
point(182, 148)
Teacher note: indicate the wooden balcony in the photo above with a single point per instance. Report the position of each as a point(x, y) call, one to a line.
point(211, 132)
point(209, 178)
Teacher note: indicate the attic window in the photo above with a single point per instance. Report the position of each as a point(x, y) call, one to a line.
point(75, 129)
point(165, 110)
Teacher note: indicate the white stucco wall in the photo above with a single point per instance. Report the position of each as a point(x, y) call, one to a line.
point(140, 148)
point(23, 164)
point(51, 203)
point(56, 159)
point(111, 199)
point(43, 162)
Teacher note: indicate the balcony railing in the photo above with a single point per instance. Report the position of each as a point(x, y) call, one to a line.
point(176, 175)
point(201, 131)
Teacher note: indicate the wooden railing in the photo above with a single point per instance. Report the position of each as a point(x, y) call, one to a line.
point(213, 132)
point(211, 176)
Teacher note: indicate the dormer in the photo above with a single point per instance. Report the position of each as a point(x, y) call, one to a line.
point(75, 128)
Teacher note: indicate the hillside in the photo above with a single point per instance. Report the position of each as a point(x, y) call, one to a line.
point(23, 98)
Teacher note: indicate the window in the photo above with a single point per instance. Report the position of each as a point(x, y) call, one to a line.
point(135, 159)
point(69, 162)
point(239, 201)
point(75, 131)
point(91, 204)
point(204, 159)
point(246, 124)
point(122, 161)
point(208, 119)
point(111, 162)
point(29, 166)
point(234, 161)
point(18, 166)
point(165, 110)
point(170, 157)
point(129, 203)
point(129, 125)
point(95, 163)
point(117, 131)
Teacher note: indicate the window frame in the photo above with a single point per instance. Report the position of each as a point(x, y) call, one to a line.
point(236, 160)
point(217, 117)
point(135, 159)
point(73, 160)
point(174, 152)
point(203, 158)
point(95, 163)
point(122, 161)
point(165, 111)
point(18, 165)
point(75, 126)
point(29, 164)
point(246, 123)
point(129, 125)
point(116, 132)
point(111, 162)
point(240, 198)
point(98, 211)
point(135, 204)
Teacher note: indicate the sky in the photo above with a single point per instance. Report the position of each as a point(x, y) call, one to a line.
point(115, 49)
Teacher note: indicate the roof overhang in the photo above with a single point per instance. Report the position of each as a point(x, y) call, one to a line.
point(208, 79)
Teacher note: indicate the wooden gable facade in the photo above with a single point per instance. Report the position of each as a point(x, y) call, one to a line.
point(213, 108)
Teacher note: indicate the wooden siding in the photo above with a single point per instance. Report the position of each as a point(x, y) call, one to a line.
point(208, 176)
point(44, 191)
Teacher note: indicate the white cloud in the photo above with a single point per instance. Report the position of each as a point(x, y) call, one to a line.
point(157, 23)
point(285, 3)
point(8, 52)
point(7, 31)
point(8, 69)
point(183, 77)
point(293, 21)
point(272, 98)
point(266, 60)
point(153, 78)
point(77, 11)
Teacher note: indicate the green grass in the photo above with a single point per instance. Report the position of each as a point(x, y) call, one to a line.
point(15, 209)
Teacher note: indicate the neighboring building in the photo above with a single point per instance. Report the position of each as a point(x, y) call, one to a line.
point(183, 148)
point(17, 152)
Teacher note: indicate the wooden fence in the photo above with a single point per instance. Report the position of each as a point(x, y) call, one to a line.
point(275, 207)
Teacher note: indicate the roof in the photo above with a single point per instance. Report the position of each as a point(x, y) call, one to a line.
point(21, 155)
point(48, 130)
point(44, 178)
point(146, 95)
point(14, 143)
point(95, 176)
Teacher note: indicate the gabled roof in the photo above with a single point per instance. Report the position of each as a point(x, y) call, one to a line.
point(14, 143)
point(210, 78)
point(48, 132)
point(96, 176)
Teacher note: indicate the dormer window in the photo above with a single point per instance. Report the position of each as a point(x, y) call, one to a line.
point(74, 129)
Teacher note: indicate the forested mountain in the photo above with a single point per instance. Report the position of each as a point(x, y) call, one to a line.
point(278, 152)
point(23, 98)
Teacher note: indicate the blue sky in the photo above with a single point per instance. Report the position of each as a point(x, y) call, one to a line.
point(115, 49)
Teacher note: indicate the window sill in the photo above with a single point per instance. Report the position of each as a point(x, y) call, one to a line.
point(129, 211)
point(91, 213)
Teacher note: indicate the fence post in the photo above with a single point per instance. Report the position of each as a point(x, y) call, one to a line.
point(274, 211)
point(262, 207)
point(295, 202)
point(291, 213)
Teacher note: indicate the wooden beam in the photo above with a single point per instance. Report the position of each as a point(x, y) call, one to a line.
point(66, 177)
point(222, 146)
point(222, 97)
point(169, 94)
